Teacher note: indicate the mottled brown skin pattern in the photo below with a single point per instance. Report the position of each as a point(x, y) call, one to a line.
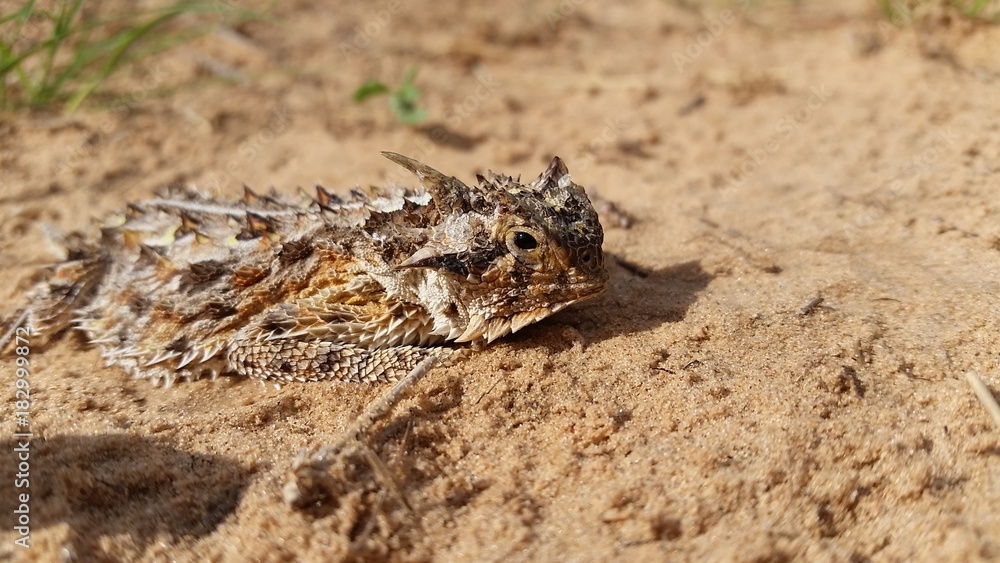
point(354, 288)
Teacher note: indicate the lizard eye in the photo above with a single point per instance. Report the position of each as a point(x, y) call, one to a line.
point(524, 240)
point(525, 243)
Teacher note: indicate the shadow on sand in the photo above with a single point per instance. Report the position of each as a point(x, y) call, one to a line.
point(637, 300)
point(123, 485)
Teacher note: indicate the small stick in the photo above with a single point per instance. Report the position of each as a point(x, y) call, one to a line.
point(383, 472)
point(6, 337)
point(488, 391)
point(322, 460)
point(810, 306)
point(985, 396)
point(379, 408)
point(632, 267)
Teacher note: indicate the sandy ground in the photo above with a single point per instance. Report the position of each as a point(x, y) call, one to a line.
point(705, 408)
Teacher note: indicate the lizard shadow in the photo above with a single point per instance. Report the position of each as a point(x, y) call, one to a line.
point(442, 135)
point(121, 485)
point(637, 300)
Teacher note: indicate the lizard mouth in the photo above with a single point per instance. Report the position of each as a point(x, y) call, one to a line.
point(585, 290)
point(480, 328)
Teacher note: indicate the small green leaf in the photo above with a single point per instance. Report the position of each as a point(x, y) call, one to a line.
point(406, 99)
point(403, 100)
point(408, 95)
point(369, 89)
point(404, 104)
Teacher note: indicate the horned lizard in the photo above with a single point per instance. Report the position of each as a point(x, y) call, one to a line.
point(356, 288)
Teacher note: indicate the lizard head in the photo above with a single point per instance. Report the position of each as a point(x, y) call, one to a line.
point(514, 253)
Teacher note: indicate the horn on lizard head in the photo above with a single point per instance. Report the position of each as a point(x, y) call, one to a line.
point(448, 192)
point(556, 174)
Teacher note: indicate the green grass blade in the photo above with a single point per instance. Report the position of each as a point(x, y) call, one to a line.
point(21, 14)
point(8, 60)
point(62, 30)
point(121, 45)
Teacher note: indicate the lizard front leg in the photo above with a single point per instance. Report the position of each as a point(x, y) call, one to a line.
point(289, 343)
point(298, 359)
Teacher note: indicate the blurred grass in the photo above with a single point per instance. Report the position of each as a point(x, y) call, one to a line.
point(905, 10)
point(63, 52)
point(895, 10)
point(404, 100)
